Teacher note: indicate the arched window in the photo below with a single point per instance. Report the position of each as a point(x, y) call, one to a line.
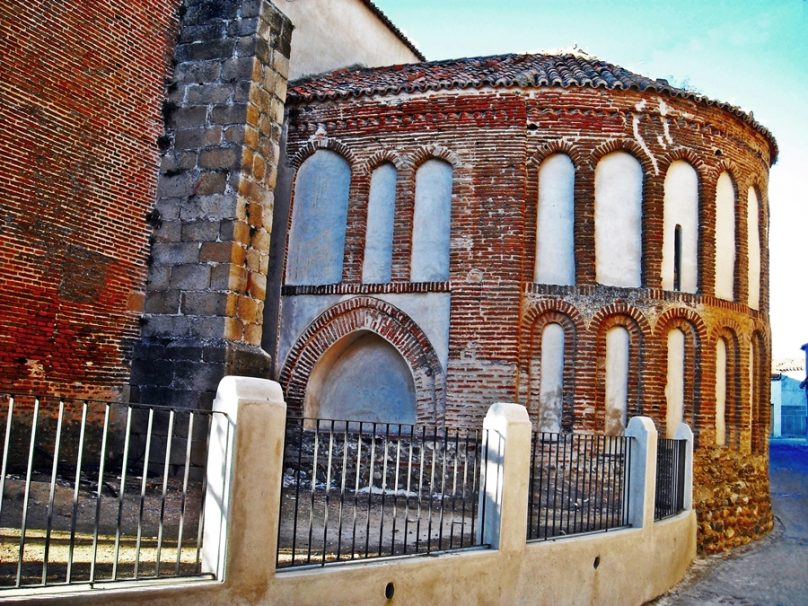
point(617, 360)
point(725, 238)
point(551, 390)
point(379, 230)
point(720, 392)
point(362, 377)
point(675, 387)
point(618, 220)
point(555, 243)
point(431, 222)
point(753, 240)
point(680, 239)
point(317, 235)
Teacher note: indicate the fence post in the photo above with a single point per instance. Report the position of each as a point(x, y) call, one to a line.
point(642, 472)
point(244, 477)
point(683, 432)
point(504, 476)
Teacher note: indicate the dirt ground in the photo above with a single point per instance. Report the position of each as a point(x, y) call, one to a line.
point(132, 512)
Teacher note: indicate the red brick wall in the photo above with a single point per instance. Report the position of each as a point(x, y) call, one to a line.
point(83, 84)
point(496, 141)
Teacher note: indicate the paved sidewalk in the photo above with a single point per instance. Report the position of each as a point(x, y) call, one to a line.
point(771, 571)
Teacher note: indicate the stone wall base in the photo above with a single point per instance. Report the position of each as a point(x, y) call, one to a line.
point(731, 496)
point(184, 372)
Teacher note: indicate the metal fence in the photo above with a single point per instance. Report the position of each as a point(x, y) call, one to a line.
point(670, 478)
point(358, 490)
point(95, 492)
point(578, 484)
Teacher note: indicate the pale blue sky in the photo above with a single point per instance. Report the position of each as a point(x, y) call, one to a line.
point(753, 54)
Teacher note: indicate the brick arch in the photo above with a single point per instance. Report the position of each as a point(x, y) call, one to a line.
point(725, 166)
point(630, 146)
point(378, 158)
point(685, 154)
point(679, 314)
point(383, 319)
point(634, 322)
point(692, 325)
point(619, 308)
point(535, 309)
point(433, 151)
point(556, 147)
point(729, 331)
point(534, 322)
point(309, 149)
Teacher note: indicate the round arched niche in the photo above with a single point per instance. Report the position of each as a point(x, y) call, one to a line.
point(361, 377)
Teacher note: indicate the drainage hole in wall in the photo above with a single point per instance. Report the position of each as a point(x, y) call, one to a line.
point(596, 563)
point(389, 590)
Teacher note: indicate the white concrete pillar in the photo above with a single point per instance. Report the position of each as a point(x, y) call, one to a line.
point(683, 432)
point(505, 476)
point(642, 472)
point(244, 477)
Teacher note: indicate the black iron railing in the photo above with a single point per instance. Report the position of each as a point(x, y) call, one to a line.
point(670, 478)
point(96, 492)
point(359, 490)
point(578, 483)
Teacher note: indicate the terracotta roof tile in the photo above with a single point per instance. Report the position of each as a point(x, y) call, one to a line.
point(497, 71)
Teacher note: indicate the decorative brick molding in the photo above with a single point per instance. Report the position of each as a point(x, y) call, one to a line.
point(387, 321)
point(433, 150)
point(561, 146)
point(367, 289)
point(210, 247)
point(631, 147)
point(318, 142)
point(400, 161)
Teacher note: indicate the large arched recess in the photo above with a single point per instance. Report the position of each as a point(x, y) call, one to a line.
point(369, 315)
point(361, 377)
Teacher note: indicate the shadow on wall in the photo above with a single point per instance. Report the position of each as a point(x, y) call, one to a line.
point(361, 377)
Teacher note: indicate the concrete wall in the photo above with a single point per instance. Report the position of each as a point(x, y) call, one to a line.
point(725, 238)
point(431, 229)
point(378, 262)
point(241, 516)
point(363, 378)
point(753, 244)
point(317, 234)
point(555, 233)
point(618, 220)
point(682, 209)
point(330, 34)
